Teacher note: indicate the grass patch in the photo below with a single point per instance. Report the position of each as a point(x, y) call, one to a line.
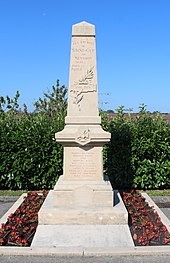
point(12, 192)
point(165, 192)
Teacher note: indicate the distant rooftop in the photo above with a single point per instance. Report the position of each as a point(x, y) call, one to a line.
point(166, 116)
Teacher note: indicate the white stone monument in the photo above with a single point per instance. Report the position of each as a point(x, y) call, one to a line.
point(81, 203)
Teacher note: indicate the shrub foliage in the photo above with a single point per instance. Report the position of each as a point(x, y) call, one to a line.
point(30, 158)
point(138, 155)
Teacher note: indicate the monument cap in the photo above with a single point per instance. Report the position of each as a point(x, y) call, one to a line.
point(83, 29)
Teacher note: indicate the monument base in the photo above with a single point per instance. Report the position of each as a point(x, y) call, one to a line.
point(82, 203)
point(81, 224)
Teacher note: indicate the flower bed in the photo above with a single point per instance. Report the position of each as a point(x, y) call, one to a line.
point(145, 224)
point(20, 227)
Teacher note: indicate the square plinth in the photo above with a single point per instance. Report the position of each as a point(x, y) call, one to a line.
point(71, 207)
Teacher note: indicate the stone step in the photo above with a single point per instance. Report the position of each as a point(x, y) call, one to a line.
point(86, 236)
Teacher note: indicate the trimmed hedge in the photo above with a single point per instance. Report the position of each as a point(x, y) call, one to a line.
point(30, 158)
point(138, 155)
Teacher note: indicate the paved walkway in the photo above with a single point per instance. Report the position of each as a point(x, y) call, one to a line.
point(5, 203)
point(164, 200)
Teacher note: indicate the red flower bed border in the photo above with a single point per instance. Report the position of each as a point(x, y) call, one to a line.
point(144, 223)
point(20, 227)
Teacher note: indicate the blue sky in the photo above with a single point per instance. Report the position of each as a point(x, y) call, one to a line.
point(133, 49)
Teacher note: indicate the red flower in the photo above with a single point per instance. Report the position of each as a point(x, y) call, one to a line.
point(11, 215)
point(164, 228)
point(1, 240)
point(2, 226)
point(146, 227)
point(18, 241)
point(24, 242)
point(21, 226)
point(166, 240)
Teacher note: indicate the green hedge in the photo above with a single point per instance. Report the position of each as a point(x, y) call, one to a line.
point(30, 158)
point(138, 155)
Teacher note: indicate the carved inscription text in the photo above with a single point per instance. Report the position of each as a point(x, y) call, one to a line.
point(84, 163)
point(83, 68)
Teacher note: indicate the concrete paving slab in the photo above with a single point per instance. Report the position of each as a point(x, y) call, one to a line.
point(166, 212)
point(87, 252)
point(83, 236)
point(161, 199)
point(6, 202)
point(127, 251)
point(4, 207)
point(7, 199)
point(41, 251)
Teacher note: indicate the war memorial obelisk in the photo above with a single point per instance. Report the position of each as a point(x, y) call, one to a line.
point(80, 211)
